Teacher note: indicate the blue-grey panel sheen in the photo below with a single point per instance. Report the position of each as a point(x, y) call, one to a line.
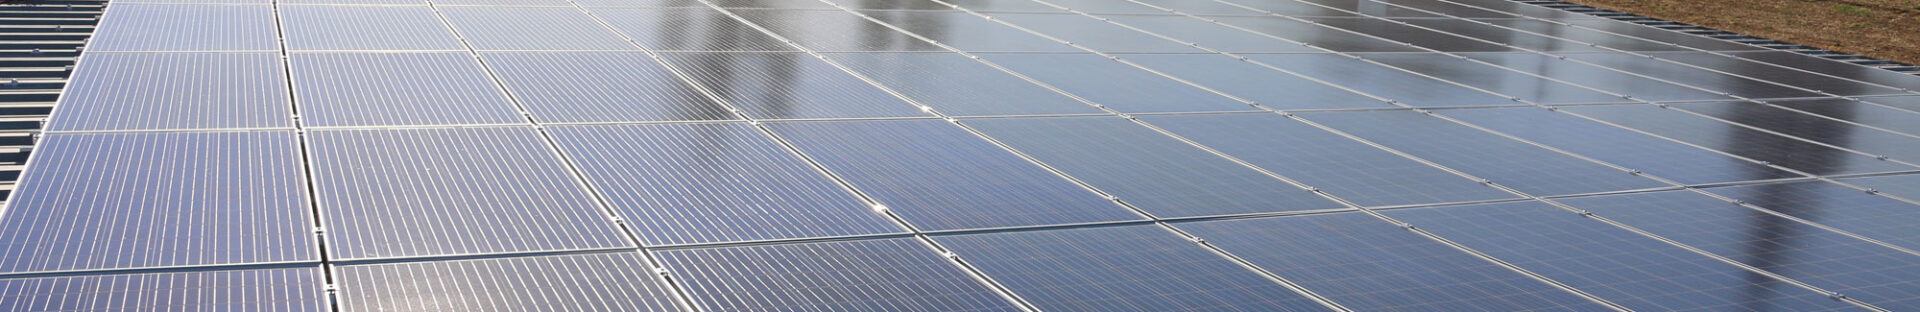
point(1696, 77)
point(1314, 35)
point(1108, 7)
point(1776, 74)
point(1151, 171)
point(1331, 8)
point(1202, 7)
point(503, 3)
point(939, 177)
point(957, 85)
point(967, 32)
point(1903, 186)
point(688, 29)
point(1448, 8)
point(1805, 126)
point(1840, 207)
point(1211, 35)
point(1620, 266)
point(133, 200)
point(1780, 150)
point(775, 4)
point(1531, 169)
point(977, 5)
point(453, 191)
point(1661, 35)
point(1492, 78)
point(1093, 33)
point(1542, 35)
point(1594, 77)
point(287, 290)
point(1129, 268)
point(901, 274)
point(330, 27)
point(829, 31)
point(1521, 9)
point(1910, 103)
point(600, 87)
point(1650, 154)
point(1343, 167)
point(1416, 36)
point(789, 86)
point(252, 2)
point(153, 91)
point(391, 89)
point(702, 183)
point(642, 3)
point(1832, 67)
point(1382, 81)
point(1367, 264)
point(142, 27)
point(522, 28)
point(1895, 119)
point(585, 282)
point(1270, 88)
point(1855, 268)
point(1116, 85)
point(373, 2)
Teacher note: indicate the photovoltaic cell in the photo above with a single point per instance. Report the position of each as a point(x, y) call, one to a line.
point(1903, 186)
point(1832, 67)
point(1093, 33)
point(1805, 126)
point(1313, 35)
point(158, 199)
point(967, 32)
point(1776, 74)
point(1844, 208)
point(1117, 85)
point(830, 31)
point(1661, 35)
point(1617, 265)
point(1519, 9)
point(1719, 82)
point(1367, 264)
point(703, 183)
point(154, 91)
point(1650, 154)
point(957, 85)
point(939, 177)
point(600, 87)
point(1107, 7)
point(1910, 103)
point(642, 3)
point(1493, 33)
point(1331, 8)
point(1343, 167)
point(977, 5)
point(1492, 78)
point(1448, 8)
point(1894, 119)
point(1511, 163)
point(1594, 77)
point(525, 28)
point(1871, 273)
point(899, 274)
point(1211, 35)
point(142, 27)
point(1159, 174)
point(1131, 268)
point(392, 89)
point(336, 27)
point(1411, 35)
point(789, 86)
point(1779, 150)
point(288, 289)
point(1202, 7)
point(1381, 81)
point(775, 4)
point(450, 191)
point(1270, 88)
point(501, 3)
point(369, 2)
point(696, 28)
point(584, 282)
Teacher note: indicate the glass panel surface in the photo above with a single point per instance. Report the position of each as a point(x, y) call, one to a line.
point(1511, 163)
point(1894, 119)
point(1650, 154)
point(1844, 208)
point(1805, 126)
point(142, 27)
point(341, 27)
point(688, 29)
point(600, 87)
point(288, 290)
point(1595, 77)
point(831, 31)
point(1092, 33)
point(1117, 85)
point(900, 274)
point(1381, 81)
point(968, 32)
point(585, 282)
point(957, 85)
point(524, 28)
point(156, 91)
point(788, 86)
point(395, 89)
point(1271, 88)
point(1778, 150)
point(1492, 78)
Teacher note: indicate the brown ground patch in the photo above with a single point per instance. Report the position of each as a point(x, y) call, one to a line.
point(1884, 29)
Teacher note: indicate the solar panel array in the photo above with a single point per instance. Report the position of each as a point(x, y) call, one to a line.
point(964, 155)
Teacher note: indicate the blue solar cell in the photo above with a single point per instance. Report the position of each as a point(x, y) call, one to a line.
point(1780, 75)
point(1594, 77)
point(1492, 78)
point(834, 31)
point(1093, 33)
point(702, 183)
point(900, 274)
point(289, 290)
point(584, 282)
point(524, 28)
point(1844, 208)
point(1903, 186)
point(695, 28)
point(1151, 171)
point(1270, 88)
point(1116, 85)
point(1872, 273)
point(939, 177)
point(1367, 264)
point(789, 86)
point(450, 191)
point(1779, 150)
point(1313, 35)
point(155, 91)
point(1696, 77)
point(338, 27)
point(1531, 169)
point(1666, 159)
point(1890, 118)
point(957, 85)
point(143, 27)
point(1211, 35)
point(1810, 127)
point(1130, 268)
point(965, 31)
point(1382, 81)
point(1623, 267)
point(391, 89)
point(159, 199)
point(600, 87)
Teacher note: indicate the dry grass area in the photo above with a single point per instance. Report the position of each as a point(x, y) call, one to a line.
point(1884, 29)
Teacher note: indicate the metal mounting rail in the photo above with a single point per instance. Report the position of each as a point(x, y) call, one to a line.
point(1727, 35)
point(39, 42)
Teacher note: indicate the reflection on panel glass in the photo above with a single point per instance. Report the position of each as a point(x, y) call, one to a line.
point(154, 91)
point(1092, 33)
point(788, 86)
point(900, 274)
point(1906, 186)
point(1810, 127)
point(1844, 208)
point(1314, 35)
point(957, 85)
point(1718, 82)
point(289, 289)
point(1495, 79)
point(1832, 67)
point(1775, 74)
point(1749, 143)
point(600, 87)
point(1858, 111)
point(1211, 35)
point(1271, 88)
point(1531, 169)
point(1382, 81)
point(687, 29)
point(1119, 86)
point(1646, 153)
point(1594, 77)
point(833, 31)
point(585, 282)
point(1411, 35)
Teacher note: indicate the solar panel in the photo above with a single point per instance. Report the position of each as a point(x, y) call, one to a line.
point(1877, 275)
point(1156, 173)
point(1910, 103)
point(1404, 87)
point(287, 289)
point(1345, 168)
point(1143, 267)
point(778, 4)
point(531, 28)
point(1310, 34)
point(1775, 74)
point(143, 27)
point(600, 87)
point(899, 274)
point(977, 5)
point(1810, 127)
point(1503, 33)
point(1823, 66)
point(1211, 35)
point(339, 27)
point(1865, 113)
point(1625, 268)
point(1718, 82)
point(158, 199)
point(516, 3)
point(1271, 88)
point(695, 28)
point(1396, 32)
point(1114, 84)
point(1495, 79)
point(1902, 186)
point(1367, 264)
point(597, 282)
point(1847, 209)
point(1778, 150)
point(1349, 7)
point(703, 183)
point(1202, 8)
point(395, 89)
point(642, 3)
point(1450, 9)
point(943, 178)
point(1093, 33)
point(155, 91)
point(355, 2)
point(958, 85)
point(1661, 35)
point(965, 31)
point(830, 31)
point(1650, 154)
point(1108, 7)
point(1510, 163)
point(450, 191)
point(1594, 77)
point(788, 86)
